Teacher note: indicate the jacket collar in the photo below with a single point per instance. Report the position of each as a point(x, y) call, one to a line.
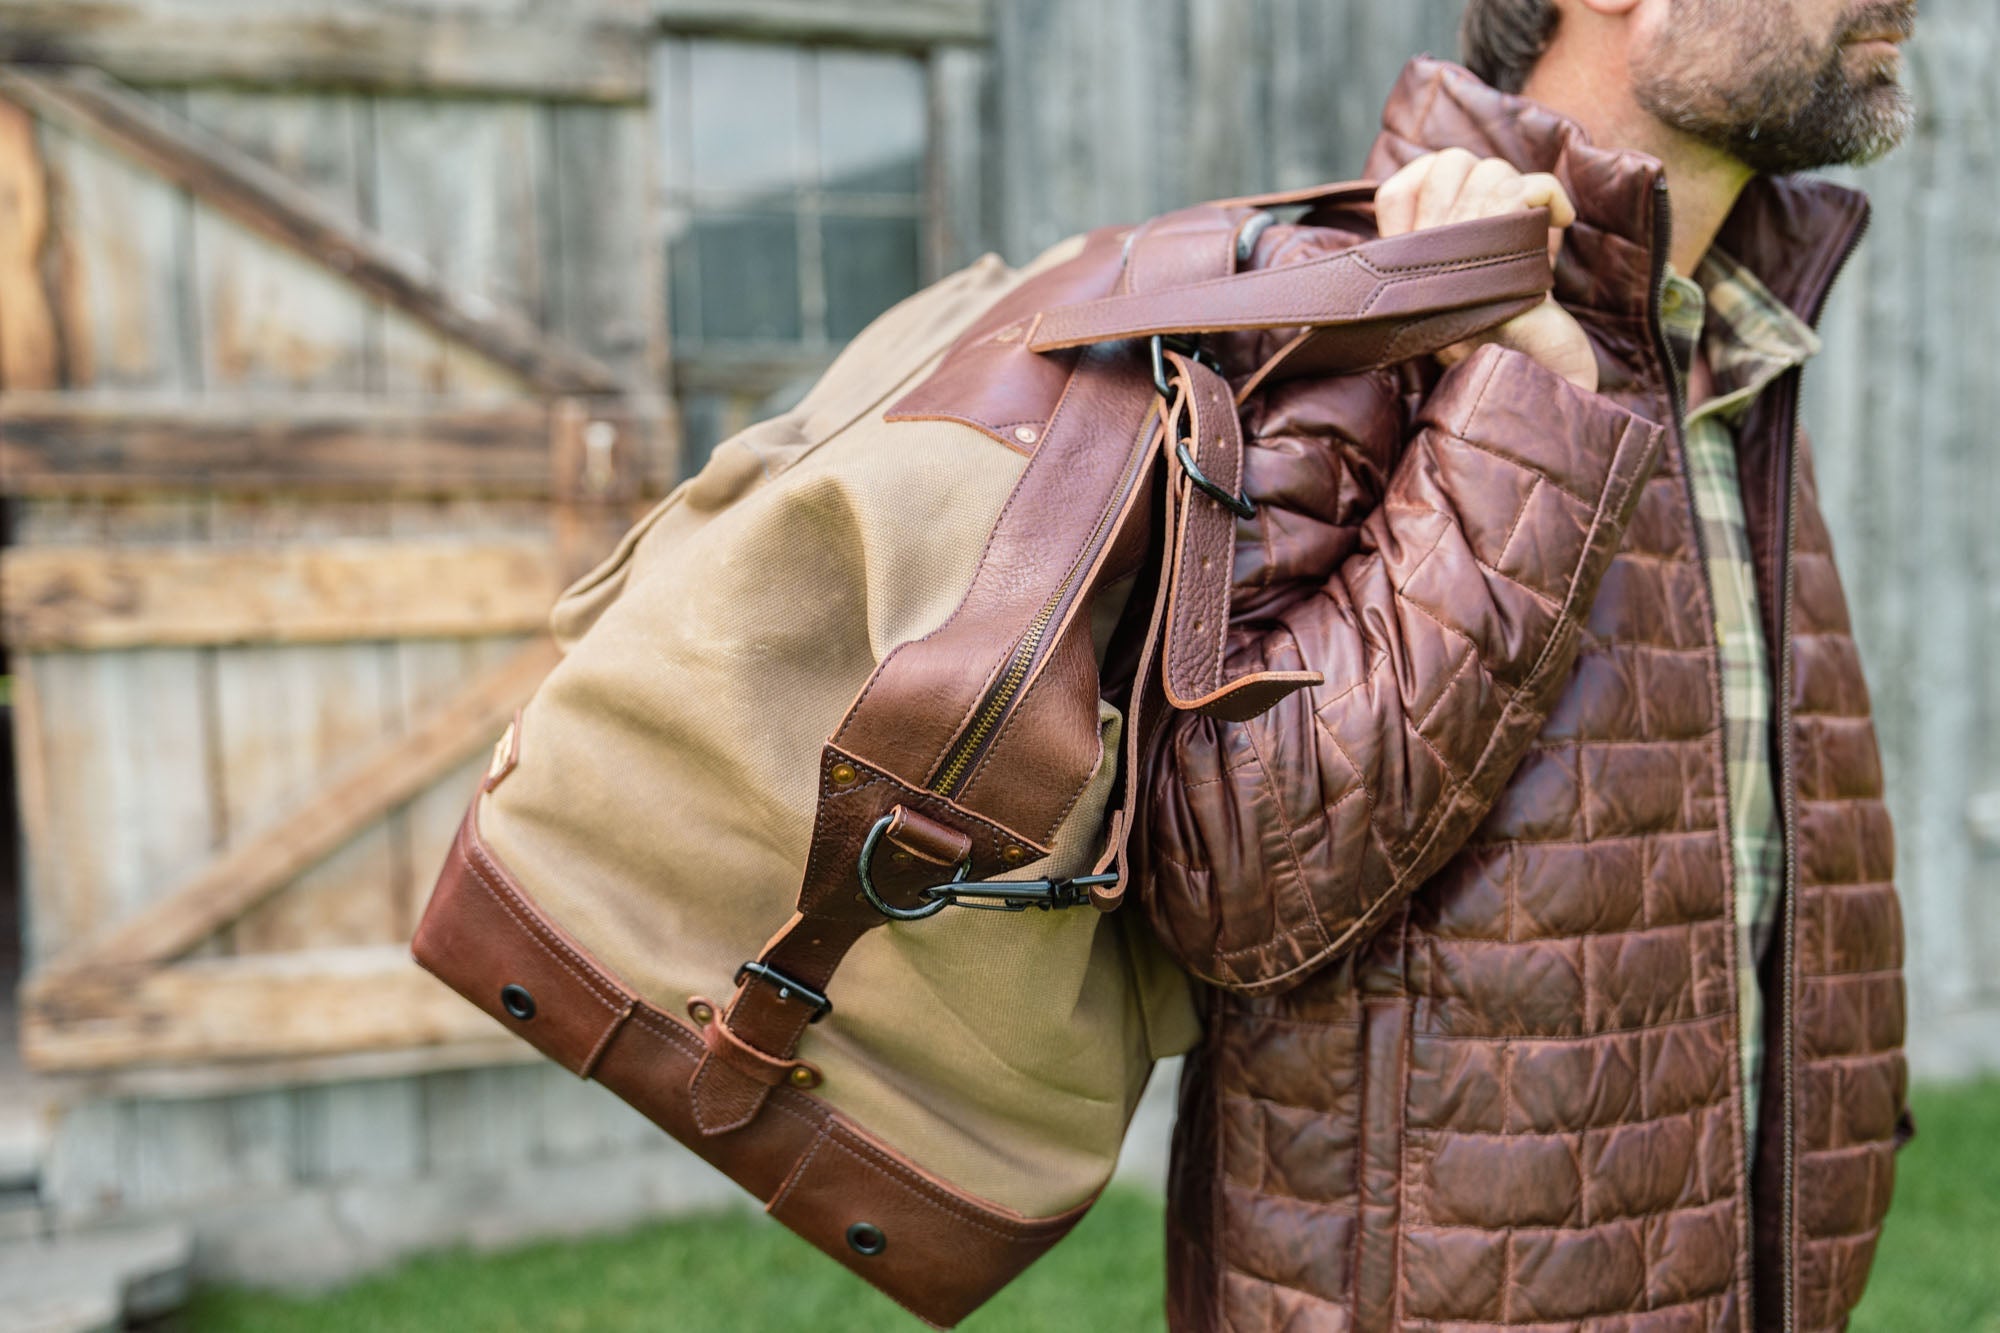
point(1792, 232)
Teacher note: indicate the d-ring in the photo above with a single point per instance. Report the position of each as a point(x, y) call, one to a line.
point(929, 909)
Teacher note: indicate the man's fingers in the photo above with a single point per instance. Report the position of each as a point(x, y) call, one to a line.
point(1442, 185)
point(1491, 188)
point(1542, 190)
point(1396, 199)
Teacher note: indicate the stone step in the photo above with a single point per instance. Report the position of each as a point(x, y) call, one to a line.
point(93, 1280)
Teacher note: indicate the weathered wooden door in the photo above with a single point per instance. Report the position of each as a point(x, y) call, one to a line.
point(309, 404)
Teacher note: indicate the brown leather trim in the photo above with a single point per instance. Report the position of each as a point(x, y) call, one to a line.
point(989, 380)
point(945, 1253)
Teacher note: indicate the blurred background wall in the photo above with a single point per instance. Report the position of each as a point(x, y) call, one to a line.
point(335, 335)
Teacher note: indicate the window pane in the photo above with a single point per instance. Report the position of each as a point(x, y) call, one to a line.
point(871, 263)
point(745, 117)
point(745, 267)
point(871, 123)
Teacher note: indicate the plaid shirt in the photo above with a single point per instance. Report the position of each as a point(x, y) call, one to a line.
point(1747, 339)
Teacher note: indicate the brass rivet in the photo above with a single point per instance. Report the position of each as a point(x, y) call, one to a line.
point(844, 775)
point(802, 1077)
point(1013, 856)
point(901, 858)
point(1025, 434)
point(703, 1014)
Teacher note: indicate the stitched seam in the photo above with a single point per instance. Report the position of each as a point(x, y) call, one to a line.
point(500, 893)
point(799, 1171)
point(1030, 1233)
point(1291, 847)
point(604, 1042)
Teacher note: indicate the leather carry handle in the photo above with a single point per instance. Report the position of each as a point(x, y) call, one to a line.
point(1495, 262)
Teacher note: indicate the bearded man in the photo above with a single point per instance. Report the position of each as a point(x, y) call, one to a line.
point(1552, 946)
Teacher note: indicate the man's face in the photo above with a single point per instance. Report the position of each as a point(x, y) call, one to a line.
point(1781, 85)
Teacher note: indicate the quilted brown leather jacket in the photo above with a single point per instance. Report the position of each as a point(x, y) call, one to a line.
point(1471, 1056)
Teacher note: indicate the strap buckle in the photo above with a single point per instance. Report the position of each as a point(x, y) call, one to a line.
point(788, 989)
point(1239, 504)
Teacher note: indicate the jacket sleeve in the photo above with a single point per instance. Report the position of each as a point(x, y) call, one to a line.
point(1437, 574)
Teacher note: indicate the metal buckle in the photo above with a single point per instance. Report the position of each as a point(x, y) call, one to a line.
point(996, 895)
point(788, 989)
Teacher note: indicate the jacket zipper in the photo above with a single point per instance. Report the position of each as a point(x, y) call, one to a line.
point(1000, 699)
point(1677, 399)
point(1788, 783)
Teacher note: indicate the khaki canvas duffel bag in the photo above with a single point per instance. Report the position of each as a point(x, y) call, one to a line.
point(893, 656)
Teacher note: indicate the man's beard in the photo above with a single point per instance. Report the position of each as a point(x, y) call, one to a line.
point(1781, 103)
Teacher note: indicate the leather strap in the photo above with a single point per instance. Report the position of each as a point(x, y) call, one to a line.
point(1382, 283)
point(1202, 550)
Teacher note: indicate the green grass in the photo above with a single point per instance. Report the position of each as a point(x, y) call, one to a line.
point(1938, 1270)
point(730, 1274)
point(1938, 1267)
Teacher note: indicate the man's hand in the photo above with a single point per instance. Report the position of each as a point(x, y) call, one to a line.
point(1455, 186)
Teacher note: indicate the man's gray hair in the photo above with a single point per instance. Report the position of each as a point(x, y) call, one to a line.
point(1502, 39)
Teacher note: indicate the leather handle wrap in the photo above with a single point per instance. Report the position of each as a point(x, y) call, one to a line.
point(1491, 262)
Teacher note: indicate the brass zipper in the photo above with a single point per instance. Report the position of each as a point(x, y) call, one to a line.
point(993, 710)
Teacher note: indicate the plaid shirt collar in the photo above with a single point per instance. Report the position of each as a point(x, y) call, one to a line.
point(1748, 336)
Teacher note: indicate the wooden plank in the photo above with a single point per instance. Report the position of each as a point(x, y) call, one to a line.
point(223, 1009)
point(121, 238)
point(123, 747)
point(60, 444)
point(268, 318)
point(961, 207)
point(30, 355)
point(125, 597)
point(264, 201)
point(462, 186)
point(377, 782)
point(916, 23)
point(270, 321)
point(572, 51)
